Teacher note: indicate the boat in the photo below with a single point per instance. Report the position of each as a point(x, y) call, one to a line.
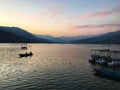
point(114, 63)
point(23, 46)
point(26, 54)
point(101, 61)
point(115, 55)
point(100, 56)
point(114, 75)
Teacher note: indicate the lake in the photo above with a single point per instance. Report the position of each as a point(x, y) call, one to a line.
point(52, 67)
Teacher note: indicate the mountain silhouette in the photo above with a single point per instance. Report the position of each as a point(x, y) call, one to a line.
point(108, 38)
point(50, 38)
point(62, 39)
point(17, 35)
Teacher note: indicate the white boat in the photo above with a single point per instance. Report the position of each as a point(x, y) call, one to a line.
point(101, 61)
point(114, 63)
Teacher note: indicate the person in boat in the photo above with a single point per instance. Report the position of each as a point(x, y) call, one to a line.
point(30, 53)
point(26, 53)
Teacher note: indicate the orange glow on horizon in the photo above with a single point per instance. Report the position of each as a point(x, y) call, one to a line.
point(60, 19)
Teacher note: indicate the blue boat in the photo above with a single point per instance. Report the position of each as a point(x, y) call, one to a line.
point(114, 75)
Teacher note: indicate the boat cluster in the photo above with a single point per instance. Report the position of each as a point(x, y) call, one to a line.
point(106, 60)
point(105, 57)
point(26, 54)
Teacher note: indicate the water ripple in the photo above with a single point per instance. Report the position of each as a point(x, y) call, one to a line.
point(52, 67)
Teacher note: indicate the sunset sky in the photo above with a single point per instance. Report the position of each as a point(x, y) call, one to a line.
point(61, 17)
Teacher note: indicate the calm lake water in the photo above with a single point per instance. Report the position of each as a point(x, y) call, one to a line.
point(52, 67)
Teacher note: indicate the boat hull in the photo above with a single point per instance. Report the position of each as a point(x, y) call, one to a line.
point(107, 74)
point(25, 55)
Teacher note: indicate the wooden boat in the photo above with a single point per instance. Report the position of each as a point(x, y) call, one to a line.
point(114, 75)
point(26, 54)
point(24, 46)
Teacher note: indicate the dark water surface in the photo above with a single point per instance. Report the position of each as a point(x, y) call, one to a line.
point(52, 67)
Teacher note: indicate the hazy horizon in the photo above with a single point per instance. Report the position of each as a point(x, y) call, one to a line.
point(60, 36)
point(62, 17)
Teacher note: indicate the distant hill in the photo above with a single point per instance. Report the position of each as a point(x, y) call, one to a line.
point(68, 39)
point(17, 35)
point(7, 36)
point(62, 39)
point(50, 38)
point(108, 38)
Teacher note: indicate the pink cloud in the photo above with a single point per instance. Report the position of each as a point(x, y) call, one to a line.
point(98, 15)
point(80, 27)
point(116, 10)
point(103, 14)
point(94, 29)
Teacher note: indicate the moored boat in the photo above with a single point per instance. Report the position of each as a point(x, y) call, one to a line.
point(105, 57)
point(100, 56)
point(115, 56)
point(114, 75)
point(101, 61)
point(113, 63)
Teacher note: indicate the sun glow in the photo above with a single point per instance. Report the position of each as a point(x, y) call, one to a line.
point(60, 18)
